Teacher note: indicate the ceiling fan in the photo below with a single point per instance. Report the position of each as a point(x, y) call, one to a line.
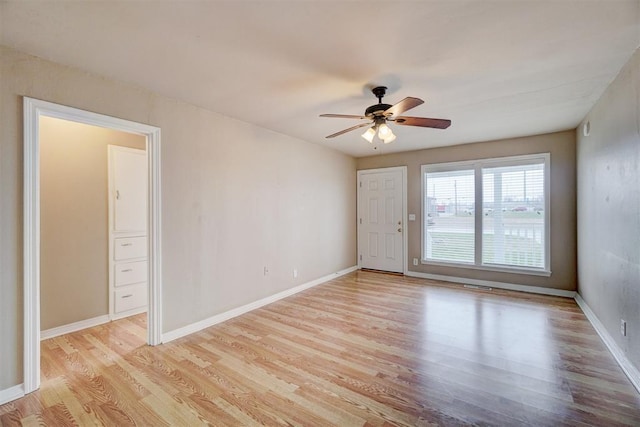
point(379, 114)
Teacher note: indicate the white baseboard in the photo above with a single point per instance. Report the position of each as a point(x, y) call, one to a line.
point(73, 327)
point(128, 313)
point(499, 285)
point(11, 393)
point(627, 367)
point(198, 326)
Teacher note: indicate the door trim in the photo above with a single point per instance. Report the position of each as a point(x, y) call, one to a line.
point(33, 109)
point(405, 215)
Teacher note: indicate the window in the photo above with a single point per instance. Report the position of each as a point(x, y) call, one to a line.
point(489, 214)
point(450, 224)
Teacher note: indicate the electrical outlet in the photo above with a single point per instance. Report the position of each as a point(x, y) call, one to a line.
point(415, 261)
point(623, 327)
point(295, 273)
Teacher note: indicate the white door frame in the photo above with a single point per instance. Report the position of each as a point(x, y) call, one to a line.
point(405, 216)
point(33, 109)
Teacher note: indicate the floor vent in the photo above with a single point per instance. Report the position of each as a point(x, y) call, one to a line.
point(484, 288)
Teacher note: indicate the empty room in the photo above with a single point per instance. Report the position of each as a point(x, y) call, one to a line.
point(320, 213)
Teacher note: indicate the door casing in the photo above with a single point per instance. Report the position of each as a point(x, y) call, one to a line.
point(33, 109)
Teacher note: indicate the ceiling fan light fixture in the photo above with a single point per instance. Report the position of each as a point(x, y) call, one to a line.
point(389, 138)
point(384, 131)
point(369, 134)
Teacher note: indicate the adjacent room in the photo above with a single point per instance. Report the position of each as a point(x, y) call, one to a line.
point(320, 213)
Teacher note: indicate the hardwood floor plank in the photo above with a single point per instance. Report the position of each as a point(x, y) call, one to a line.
point(204, 405)
point(366, 349)
point(12, 418)
point(242, 416)
point(31, 421)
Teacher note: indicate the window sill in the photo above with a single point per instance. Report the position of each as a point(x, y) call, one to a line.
point(496, 268)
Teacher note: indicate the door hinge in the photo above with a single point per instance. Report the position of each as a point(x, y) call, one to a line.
point(360, 220)
point(360, 257)
point(360, 184)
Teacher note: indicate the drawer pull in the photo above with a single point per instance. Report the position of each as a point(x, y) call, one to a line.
point(127, 270)
point(129, 247)
point(126, 296)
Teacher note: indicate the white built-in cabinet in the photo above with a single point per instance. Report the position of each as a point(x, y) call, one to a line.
point(128, 252)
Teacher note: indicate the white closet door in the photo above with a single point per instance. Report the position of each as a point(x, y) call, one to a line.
point(129, 168)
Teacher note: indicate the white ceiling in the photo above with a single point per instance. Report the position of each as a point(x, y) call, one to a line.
point(497, 69)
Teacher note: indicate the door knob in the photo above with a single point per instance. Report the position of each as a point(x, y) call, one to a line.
point(399, 230)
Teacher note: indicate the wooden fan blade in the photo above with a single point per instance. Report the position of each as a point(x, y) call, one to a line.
point(423, 122)
point(344, 116)
point(348, 130)
point(404, 105)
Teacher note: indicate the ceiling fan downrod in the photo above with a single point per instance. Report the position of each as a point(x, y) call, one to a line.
point(379, 92)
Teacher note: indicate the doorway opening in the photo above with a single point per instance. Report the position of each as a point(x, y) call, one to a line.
point(37, 112)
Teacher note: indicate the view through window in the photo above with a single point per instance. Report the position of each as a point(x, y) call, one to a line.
point(487, 213)
point(450, 223)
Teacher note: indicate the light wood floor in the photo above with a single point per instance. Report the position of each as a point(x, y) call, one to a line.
point(367, 349)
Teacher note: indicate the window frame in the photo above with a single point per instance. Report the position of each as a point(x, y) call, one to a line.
point(478, 166)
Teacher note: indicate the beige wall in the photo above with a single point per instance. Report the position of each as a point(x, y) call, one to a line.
point(235, 198)
point(609, 209)
point(563, 200)
point(74, 220)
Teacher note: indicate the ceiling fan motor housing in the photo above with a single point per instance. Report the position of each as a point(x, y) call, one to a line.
point(376, 110)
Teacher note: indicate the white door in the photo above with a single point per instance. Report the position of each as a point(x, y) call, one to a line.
point(129, 169)
point(381, 219)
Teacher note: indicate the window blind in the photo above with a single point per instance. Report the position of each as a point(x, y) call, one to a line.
point(513, 229)
point(449, 223)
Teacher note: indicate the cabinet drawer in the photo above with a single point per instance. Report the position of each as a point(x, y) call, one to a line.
point(130, 297)
point(130, 247)
point(127, 273)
